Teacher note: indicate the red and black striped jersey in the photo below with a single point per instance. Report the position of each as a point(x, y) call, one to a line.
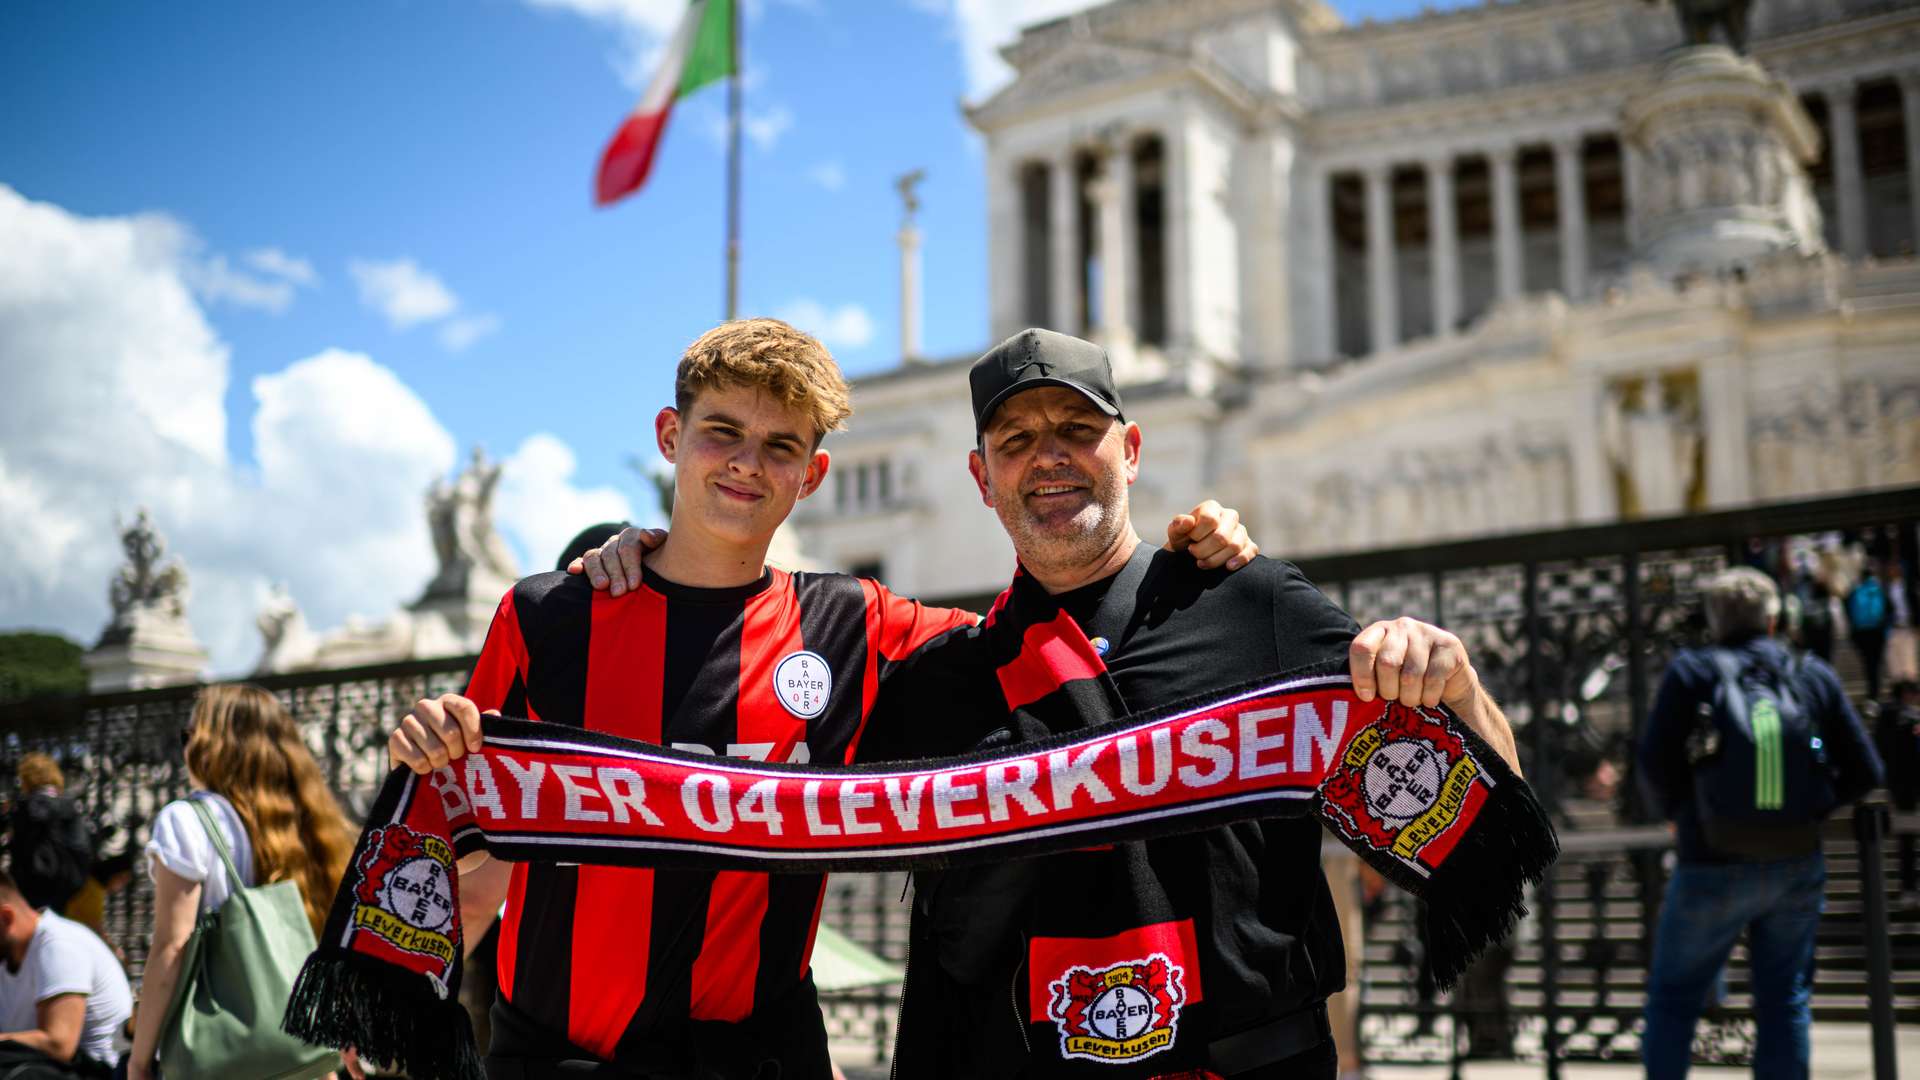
point(607, 959)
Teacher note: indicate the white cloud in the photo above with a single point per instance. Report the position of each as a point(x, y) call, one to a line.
point(654, 18)
point(828, 174)
point(216, 281)
point(409, 294)
point(982, 26)
point(402, 290)
point(538, 506)
point(277, 263)
point(463, 330)
point(845, 327)
point(115, 388)
point(762, 128)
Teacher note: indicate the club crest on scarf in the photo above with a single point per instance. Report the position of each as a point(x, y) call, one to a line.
point(1403, 785)
point(406, 898)
point(1118, 1014)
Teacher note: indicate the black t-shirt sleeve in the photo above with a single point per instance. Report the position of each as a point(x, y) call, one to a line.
point(1309, 629)
point(940, 700)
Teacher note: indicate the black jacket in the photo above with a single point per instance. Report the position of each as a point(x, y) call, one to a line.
point(1078, 964)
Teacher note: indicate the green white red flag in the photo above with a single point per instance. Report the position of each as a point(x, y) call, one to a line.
point(701, 52)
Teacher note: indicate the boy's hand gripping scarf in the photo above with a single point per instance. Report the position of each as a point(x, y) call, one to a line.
point(1412, 790)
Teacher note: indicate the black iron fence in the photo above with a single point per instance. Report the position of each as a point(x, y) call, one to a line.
point(1571, 630)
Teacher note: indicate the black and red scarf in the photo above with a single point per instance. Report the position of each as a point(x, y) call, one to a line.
point(1412, 790)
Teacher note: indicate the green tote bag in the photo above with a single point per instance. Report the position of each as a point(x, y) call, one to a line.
point(235, 977)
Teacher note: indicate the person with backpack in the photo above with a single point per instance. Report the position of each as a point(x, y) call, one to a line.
point(1747, 749)
point(1867, 618)
point(51, 849)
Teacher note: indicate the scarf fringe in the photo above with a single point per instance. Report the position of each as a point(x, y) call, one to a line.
point(392, 1018)
point(1478, 893)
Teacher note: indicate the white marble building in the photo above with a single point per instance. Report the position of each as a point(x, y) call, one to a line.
point(1384, 284)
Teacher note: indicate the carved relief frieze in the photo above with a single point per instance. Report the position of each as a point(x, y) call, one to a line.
point(1079, 67)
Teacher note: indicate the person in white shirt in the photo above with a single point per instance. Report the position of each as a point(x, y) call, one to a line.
point(62, 993)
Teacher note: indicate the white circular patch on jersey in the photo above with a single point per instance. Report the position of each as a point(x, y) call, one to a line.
point(418, 891)
point(1402, 780)
point(1122, 1012)
point(802, 681)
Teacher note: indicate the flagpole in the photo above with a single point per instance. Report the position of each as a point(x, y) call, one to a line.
point(733, 164)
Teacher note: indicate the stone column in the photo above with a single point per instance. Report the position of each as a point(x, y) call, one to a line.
point(909, 292)
point(1723, 412)
point(1063, 220)
point(1570, 177)
point(1006, 247)
point(1443, 243)
point(1849, 192)
point(1383, 275)
point(1594, 499)
point(1130, 229)
point(1112, 194)
point(1507, 266)
point(1910, 109)
point(1633, 180)
point(1321, 275)
point(1177, 195)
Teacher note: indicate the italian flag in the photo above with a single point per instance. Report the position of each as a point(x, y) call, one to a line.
point(701, 52)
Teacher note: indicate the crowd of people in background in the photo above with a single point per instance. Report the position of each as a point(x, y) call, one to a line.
point(67, 1007)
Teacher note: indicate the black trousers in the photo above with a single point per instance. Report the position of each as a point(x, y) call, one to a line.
point(20, 1062)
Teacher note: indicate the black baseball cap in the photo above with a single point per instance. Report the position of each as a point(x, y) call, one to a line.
point(1036, 357)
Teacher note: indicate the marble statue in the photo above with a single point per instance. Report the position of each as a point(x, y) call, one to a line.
point(464, 540)
point(1656, 446)
point(148, 587)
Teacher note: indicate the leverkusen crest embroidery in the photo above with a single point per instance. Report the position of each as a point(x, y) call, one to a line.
point(1403, 785)
point(1118, 1014)
point(407, 898)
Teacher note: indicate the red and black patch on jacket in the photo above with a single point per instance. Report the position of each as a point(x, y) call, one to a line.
point(1115, 1000)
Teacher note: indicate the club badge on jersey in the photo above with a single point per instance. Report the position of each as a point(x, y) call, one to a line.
point(803, 681)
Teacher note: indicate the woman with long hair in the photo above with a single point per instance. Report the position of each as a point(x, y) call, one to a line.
point(252, 771)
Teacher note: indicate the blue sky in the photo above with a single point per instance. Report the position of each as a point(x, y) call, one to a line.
point(396, 194)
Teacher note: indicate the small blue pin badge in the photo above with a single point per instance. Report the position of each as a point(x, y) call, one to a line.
point(1100, 645)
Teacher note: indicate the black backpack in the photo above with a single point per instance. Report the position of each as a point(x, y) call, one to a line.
point(1761, 780)
point(51, 851)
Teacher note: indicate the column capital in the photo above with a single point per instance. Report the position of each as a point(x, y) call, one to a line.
point(1839, 91)
point(1909, 81)
point(1377, 172)
point(1501, 154)
point(1440, 162)
point(1568, 143)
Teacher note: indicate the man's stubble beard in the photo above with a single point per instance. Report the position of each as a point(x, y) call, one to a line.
point(1082, 541)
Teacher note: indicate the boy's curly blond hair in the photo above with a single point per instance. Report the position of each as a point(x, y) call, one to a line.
point(792, 367)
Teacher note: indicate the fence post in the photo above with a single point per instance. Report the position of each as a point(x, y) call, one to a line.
point(1870, 821)
point(1543, 772)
